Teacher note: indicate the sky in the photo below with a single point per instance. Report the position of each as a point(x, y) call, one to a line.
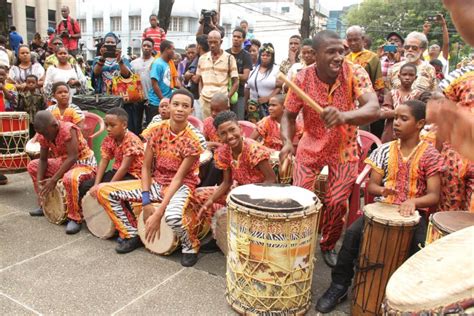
point(336, 4)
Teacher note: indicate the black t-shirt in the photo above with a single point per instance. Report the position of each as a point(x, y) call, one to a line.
point(244, 61)
point(193, 87)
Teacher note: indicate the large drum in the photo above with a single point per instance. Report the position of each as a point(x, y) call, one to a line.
point(33, 148)
point(385, 245)
point(437, 280)
point(97, 219)
point(284, 173)
point(54, 205)
point(444, 223)
point(271, 245)
point(14, 134)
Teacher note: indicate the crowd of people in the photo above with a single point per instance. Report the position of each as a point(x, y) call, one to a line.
point(384, 92)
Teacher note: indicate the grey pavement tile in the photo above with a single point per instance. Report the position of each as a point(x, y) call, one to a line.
point(18, 193)
point(9, 307)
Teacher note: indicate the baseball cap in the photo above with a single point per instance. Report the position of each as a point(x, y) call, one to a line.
point(50, 30)
point(395, 34)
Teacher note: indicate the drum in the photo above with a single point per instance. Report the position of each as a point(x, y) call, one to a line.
point(13, 142)
point(168, 241)
point(219, 229)
point(444, 223)
point(320, 183)
point(97, 219)
point(14, 122)
point(14, 162)
point(14, 134)
point(437, 280)
point(54, 205)
point(271, 233)
point(284, 173)
point(204, 160)
point(385, 245)
point(33, 148)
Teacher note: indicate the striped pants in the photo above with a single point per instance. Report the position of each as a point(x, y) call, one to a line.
point(80, 172)
point(341, 179)
point(179, 215)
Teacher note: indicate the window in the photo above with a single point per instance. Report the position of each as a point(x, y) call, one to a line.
point(176, 24)
point(116, 24)
point(9, 13)
point(266, 10)
point(83, 25)
point(135, 23)
point(30, 22)
point(98, 25)
point(52, 18)
point(285, 9)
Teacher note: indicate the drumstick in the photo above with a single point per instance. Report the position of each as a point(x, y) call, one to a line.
point(306, 98)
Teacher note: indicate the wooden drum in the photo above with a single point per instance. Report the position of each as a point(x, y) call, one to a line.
point(444, 223)
point(14, 134)
point(54, 205)
point(97, 219)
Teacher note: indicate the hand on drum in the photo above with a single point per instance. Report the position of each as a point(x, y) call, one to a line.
point(152, 223)
point(288, 150)
point(388, 191)
point(333, 117)
point(205, 210)
point(407, 208)
point(46, 186)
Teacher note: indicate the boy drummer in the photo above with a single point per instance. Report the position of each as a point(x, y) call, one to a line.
point(64, 155)
point(404, 172)
point(169, 176)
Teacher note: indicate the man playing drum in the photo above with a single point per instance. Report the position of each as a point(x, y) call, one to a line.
point(404, 172)
point(169, 176)
point(64, 155)
point(335, 85)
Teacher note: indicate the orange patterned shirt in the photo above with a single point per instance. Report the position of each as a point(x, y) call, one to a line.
point(71, 114)
point(210, 131)
point(131, 146)
point(269, 130)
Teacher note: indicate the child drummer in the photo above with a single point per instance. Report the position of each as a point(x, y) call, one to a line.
point(242, 160)
point(169, 176)
point(404, 172)
point(65, 156)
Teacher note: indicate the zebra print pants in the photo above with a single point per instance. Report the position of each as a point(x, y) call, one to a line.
point(341, 178)
point(181, 218)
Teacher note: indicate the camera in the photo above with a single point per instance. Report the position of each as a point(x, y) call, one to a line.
point(110, 51)
point(432, 18)
point(208, 15)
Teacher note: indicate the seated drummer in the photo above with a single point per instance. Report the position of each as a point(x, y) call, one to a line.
point(404, 172)
point(65, 156)
point(243, 161)
point(63, 110)
point(120, 145)
point(169, 176)
point(268, 128)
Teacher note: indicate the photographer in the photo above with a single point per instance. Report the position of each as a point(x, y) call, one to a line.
point(209, 21)
point(69, 31)
point(435, 51)
point(390, 53)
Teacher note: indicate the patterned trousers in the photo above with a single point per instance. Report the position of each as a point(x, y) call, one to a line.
point(339, 185)
point(179, 214)
point(80, 172)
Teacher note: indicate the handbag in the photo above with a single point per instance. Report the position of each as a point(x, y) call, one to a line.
point(235, 97)
point(130, 89)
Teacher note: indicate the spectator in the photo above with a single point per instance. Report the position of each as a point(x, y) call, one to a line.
point(8, 92)
point(209, 21)
point(244, 66)
point(64, 72)
point(69, 31)
point(162, 82)
point(141, 66)
point(215, 69)
point(25, 67)
point(177, 59)
point(51, 34)
point(190, 80)
point(308, 58)
point(155, 32)
point(438, 66)
point(254, 50)
point(52, 60)
point(105, 68)
point(387, 58)
point(31, 100)
point(262, 84)
point(7, 57)
point(435, 51)
point(293, 54)
point(39, 47)
point(15, 40)
point(190, 55)
point(245, 26)
point(415, 44)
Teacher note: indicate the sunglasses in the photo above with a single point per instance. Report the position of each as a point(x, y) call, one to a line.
point(412, 47)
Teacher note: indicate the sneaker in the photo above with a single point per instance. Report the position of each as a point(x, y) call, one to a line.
point(330, 258)
point(128, 245)
point(3, 179)
point(210, 247)
point(73, 227)
point(333, 296)
point(37, 212)
point(189, 259)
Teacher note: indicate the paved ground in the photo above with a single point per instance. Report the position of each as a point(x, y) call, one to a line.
point(45, 271)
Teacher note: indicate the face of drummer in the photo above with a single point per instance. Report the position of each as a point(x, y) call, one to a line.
point(115, 126)
point(329, 58)
point(61, 94)
point(275, 108)
point(230, 134)
point(181, 106)
point(405, 124)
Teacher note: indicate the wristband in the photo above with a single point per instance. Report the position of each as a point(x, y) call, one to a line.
point(145, 198)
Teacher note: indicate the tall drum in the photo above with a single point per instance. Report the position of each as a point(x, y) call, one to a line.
point(437, 280)
point(271, 242)
point(385, 245)
point(14, 134)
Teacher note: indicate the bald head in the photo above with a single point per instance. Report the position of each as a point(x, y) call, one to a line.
point(355, 29)
point(43, 120)
point(214, 40)
point(214, 34)
point(65, 11)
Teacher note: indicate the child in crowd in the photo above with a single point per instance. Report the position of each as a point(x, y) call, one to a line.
point(63, 110)
point(169, 176)
point(65, 156)
point(31, 100)
point(396, 97)
point(8, 93)
point(268, 128)
point(405, 172)
point(120, 145)
point(163, 114)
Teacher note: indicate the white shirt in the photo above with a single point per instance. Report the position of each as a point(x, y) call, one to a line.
point(54, 74)
point(141, 67)
point(264, 82)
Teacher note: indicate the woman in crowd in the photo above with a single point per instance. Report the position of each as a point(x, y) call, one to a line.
point(253, 51)
point(23, 68)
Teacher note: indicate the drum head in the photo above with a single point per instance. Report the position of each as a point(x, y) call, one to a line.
point(205, 157)
point(54, 205)
point(388, 214)
point(438, 275)
point(166, 244)
point(97, 219)
point(33, 148)
point(277, 198)
point(451, 222)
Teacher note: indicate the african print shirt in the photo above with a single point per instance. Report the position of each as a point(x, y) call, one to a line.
point(9, 98)
point(71, 114)
point(269, 129)
point(319, 145)
point(171, 149)
point(407, 175)
point(425, 80)
point(458, 86)
point(131, 146)
point(244, 169)
point(210, 131)
point(286, 65)
point(31, 102)
point(371, 63)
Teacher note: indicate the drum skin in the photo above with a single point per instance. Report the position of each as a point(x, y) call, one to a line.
point(166, 244)
point(97, 219)
point(445, 223)
point(54, 205)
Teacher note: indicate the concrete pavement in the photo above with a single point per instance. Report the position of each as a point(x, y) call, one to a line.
point(45, 271)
